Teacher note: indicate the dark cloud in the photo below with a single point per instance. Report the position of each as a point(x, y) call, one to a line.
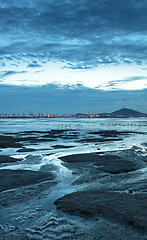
point(34, 64)
point(128, 79)
point(134, 78)
point(78, 66)
point(9, 73)
point(68, 99)
point(82, 31)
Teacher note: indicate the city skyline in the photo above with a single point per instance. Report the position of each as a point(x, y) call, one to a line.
point(122, 113)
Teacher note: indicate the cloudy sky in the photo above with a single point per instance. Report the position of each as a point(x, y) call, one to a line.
point(73, 55)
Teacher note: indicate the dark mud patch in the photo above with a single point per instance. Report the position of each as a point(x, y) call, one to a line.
point(9, 142)
point(27, 150)
point(113, 133)
point(53, 131)
point(144, 144)
point(76, 158)
point(100, 140)
point(68, 137)
point(59, 131)
point(18, 142)
point(108, 163)
point(129, 209)
point(34, 139)
point(115, 164)
point(7, 159)
point(16, 178)
point(61, 146)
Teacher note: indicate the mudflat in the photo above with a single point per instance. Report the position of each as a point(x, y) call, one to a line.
point(113, 187)
point(129, 209)
point(111, 200)
point(19, 186)
point(15, 178)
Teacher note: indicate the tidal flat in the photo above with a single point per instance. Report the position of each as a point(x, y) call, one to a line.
point(73, 180)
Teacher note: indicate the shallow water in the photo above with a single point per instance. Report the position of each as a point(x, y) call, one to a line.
point(19, 125)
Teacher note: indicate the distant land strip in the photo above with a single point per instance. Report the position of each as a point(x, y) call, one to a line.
point(122, 113)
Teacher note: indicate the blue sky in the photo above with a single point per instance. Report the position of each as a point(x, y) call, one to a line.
point(73, 55)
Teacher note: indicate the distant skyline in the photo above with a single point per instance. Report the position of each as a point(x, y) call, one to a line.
point(73, 56)
point(121, 113)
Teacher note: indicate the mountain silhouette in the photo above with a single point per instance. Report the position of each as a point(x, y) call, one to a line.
point(126, 112)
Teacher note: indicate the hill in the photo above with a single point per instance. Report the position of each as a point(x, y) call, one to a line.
point(126, 112)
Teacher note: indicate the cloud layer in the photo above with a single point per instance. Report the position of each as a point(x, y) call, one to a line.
point(84, 32)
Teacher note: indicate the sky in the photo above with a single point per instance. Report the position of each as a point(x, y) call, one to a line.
point(73, 56)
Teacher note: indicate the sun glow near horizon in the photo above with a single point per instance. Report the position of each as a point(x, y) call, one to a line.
point(112, 77)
